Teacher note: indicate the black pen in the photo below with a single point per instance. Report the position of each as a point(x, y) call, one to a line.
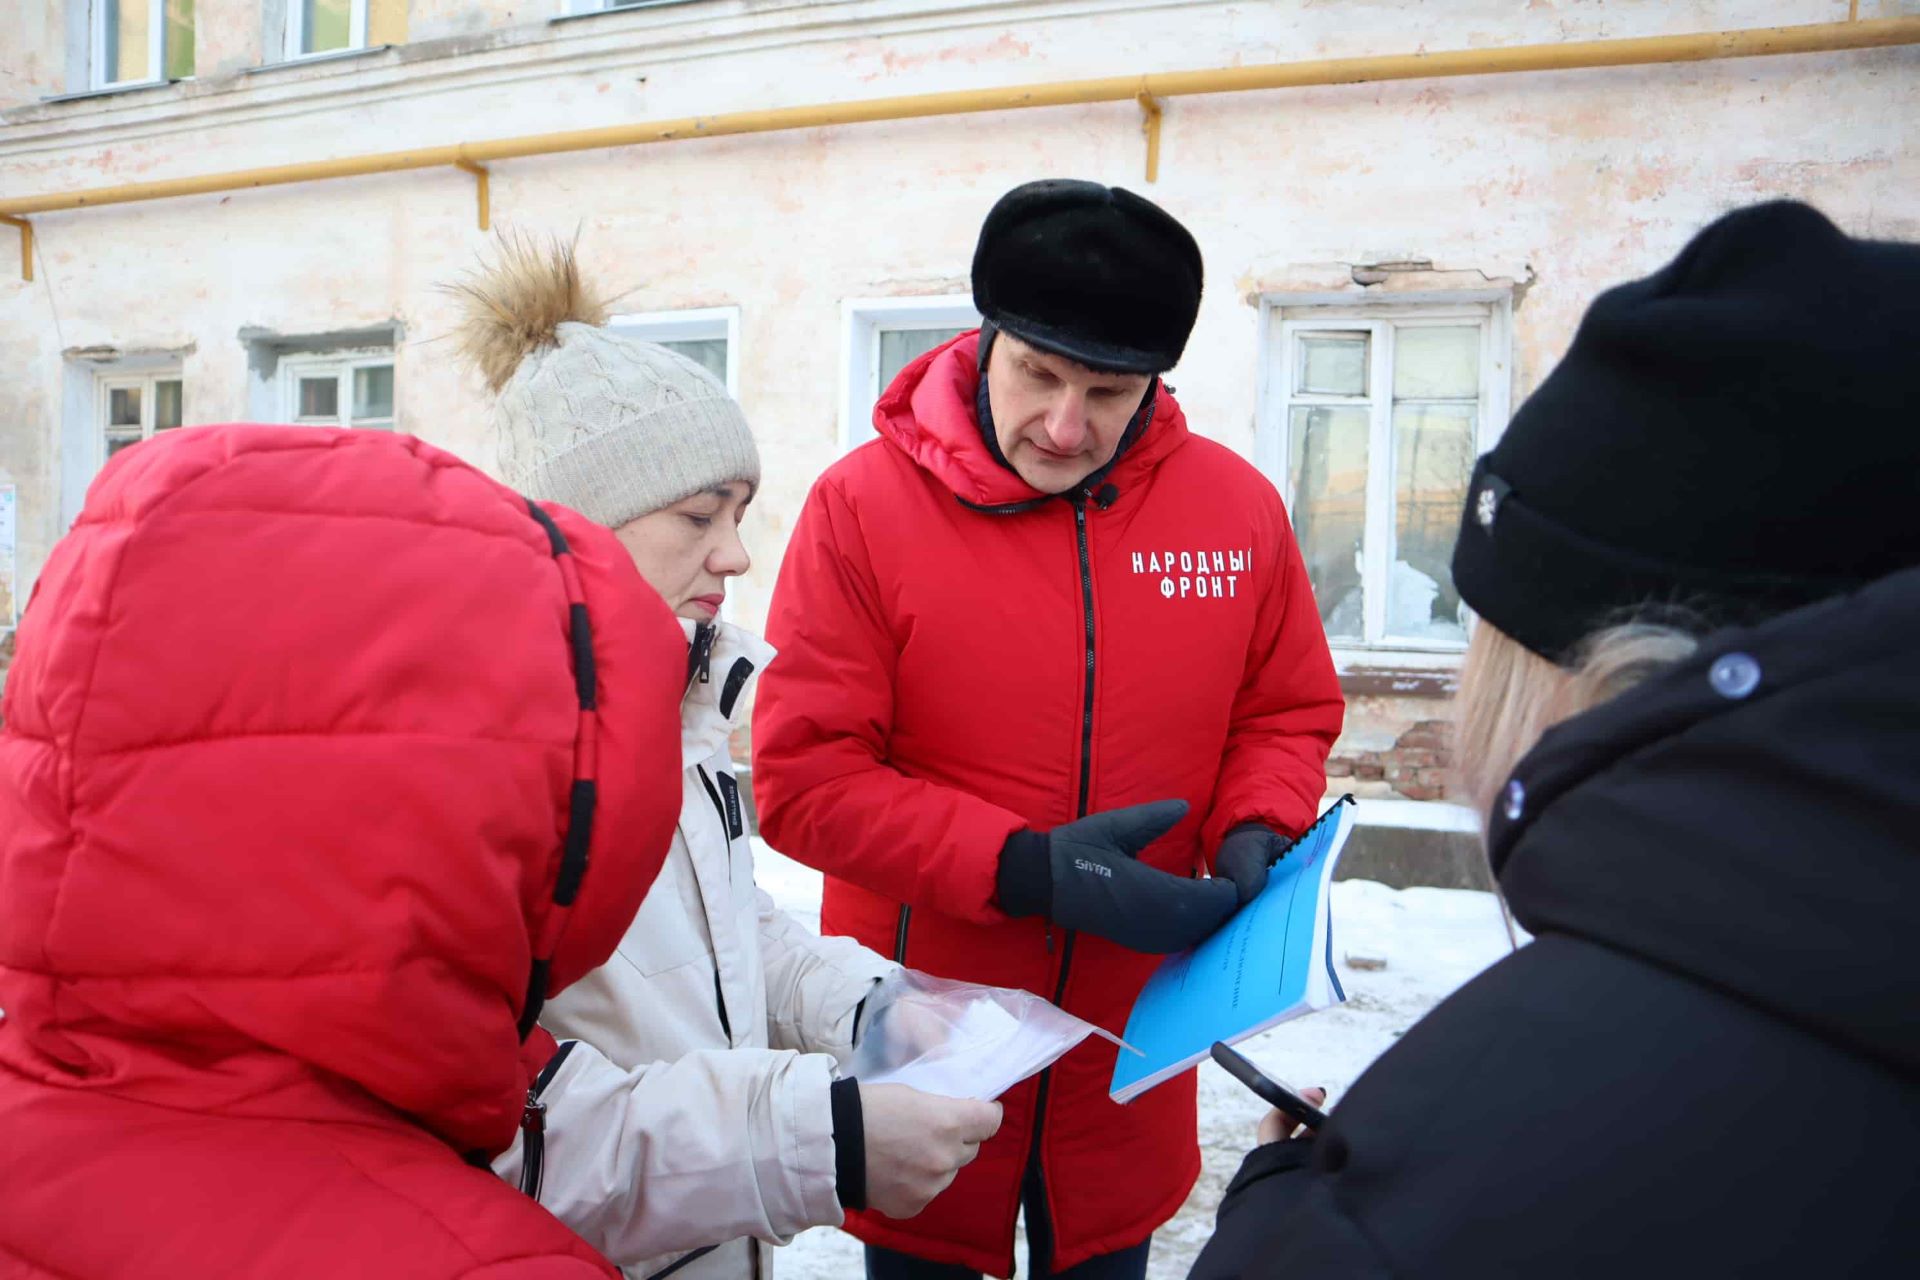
point(1270, 1091)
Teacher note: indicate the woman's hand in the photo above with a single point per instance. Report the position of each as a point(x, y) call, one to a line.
point(1278, 1126)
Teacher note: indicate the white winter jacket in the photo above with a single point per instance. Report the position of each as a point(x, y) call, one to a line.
point(694, 1111)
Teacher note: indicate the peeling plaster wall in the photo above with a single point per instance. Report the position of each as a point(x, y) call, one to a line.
point(1567, 181)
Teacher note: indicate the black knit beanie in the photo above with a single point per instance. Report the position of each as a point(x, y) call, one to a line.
point(1096, 274)
point(1734, 436)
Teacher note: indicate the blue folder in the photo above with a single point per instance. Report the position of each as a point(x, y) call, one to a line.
point(1272, 961)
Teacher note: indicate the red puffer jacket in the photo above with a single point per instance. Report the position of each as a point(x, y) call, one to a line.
point(284, 782)
point(961, 658)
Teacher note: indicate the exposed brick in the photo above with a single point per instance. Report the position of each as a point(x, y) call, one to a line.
point(1339, 768)
point(1369, 772)
point(1415, 759)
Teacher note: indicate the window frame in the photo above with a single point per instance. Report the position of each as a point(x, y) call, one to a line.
point(688, 324)
point(296, 32)
point(343, 364)
point(862, 321)
point(1282, 317)
point(98, 72)
point(107, 380)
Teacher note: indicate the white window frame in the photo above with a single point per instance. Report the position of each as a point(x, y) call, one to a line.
point(109, 380)
point(691, 324)
point(98, 71)
point(297, 31)
point(862, 321)
point(1282, 316)
point(342, 365)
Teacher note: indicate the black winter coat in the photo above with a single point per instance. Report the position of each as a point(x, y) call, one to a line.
point(1708, 1063)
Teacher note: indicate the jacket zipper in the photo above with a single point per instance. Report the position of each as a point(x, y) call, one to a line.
point(719, 994)
point(533, 1125)
point(1045, 1087)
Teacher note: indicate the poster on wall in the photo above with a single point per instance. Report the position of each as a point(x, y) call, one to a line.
point(6, 558)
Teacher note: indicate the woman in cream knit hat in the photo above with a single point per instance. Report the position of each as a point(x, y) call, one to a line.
point(693, 1109)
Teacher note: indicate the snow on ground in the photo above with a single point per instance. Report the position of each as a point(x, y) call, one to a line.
point(1430, 940)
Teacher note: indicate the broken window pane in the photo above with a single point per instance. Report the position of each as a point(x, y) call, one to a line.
point(1432, 462)
point(1328, 474)
point(1436, 363)
point(1331, 364)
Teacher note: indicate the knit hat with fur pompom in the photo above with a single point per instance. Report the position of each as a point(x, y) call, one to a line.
point(606, 424)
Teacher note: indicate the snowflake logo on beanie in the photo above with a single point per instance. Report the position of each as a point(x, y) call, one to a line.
point(1486, 507)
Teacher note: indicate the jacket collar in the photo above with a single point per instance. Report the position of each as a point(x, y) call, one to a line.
point(717, 695)
point(1747, 819)
point(928, 414)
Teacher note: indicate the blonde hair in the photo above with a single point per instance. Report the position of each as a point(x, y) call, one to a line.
point(1510, 696)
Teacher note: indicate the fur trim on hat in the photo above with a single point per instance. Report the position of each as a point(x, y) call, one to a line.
point(513, 304)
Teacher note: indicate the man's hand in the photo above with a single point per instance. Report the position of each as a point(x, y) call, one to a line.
point(1085, 875)
point(1245, 855)
point(917, 1142)
point(1278, 1126)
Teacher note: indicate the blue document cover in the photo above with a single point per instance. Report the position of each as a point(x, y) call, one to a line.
point(1272, 961)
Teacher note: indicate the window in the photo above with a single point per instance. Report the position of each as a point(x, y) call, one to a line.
point(1372, 419)
point(336, 26)
point(884, 336)
point(140, 41)
point(134, 406)
point(708, 336)
point(339, 389)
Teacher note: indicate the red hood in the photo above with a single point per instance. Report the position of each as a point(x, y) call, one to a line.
point(928, 414)
point(288, 747)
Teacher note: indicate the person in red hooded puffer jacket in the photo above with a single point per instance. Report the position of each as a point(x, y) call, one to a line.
point(326, 759)
point(1045, 657)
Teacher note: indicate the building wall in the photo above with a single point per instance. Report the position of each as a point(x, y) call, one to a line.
point(1545, 187)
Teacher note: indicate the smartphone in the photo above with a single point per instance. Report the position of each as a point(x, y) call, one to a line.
point(1272, 1091)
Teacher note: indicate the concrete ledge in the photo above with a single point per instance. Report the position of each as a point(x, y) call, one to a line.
point(1403, 857)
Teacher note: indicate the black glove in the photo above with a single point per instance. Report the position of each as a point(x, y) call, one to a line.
point(1245, 855)
point(1084, 876)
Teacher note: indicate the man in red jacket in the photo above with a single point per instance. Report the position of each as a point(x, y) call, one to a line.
point(1043, 654)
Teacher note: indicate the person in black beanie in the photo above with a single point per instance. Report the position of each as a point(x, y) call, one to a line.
point(1691, 710)
point(1046, 658)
